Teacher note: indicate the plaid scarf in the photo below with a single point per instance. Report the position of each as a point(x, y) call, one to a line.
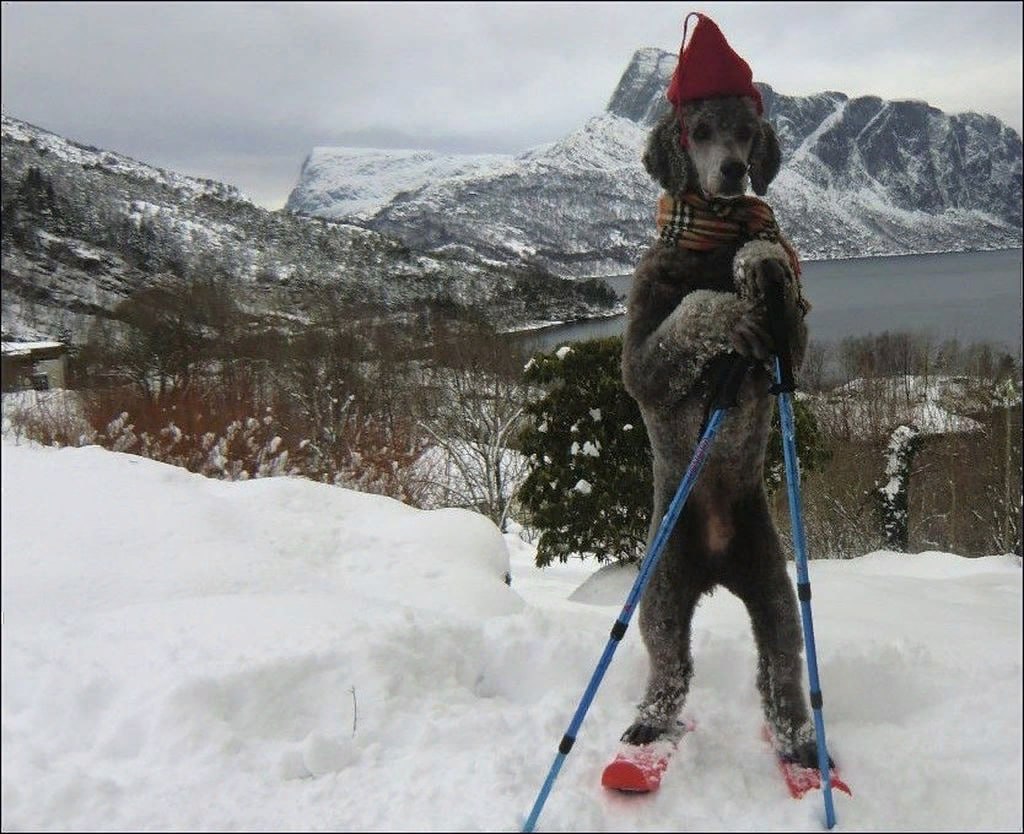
point(693, 222)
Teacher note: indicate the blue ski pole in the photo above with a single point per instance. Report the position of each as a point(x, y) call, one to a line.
point(783, 388)
point(724, 399)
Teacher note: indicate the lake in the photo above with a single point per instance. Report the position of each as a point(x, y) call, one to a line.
point(970, 296)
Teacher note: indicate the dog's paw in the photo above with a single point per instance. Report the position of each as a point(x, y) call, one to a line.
point(758, 266)
point(805, 754)
point(759, 277)
point(641, 733)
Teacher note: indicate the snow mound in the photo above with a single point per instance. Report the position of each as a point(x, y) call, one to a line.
point(187, 654)
point(250, 537)
point(607, 586)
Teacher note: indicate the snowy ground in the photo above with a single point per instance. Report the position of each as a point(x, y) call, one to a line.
point(187, 654)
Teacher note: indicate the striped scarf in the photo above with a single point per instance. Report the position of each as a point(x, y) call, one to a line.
point(693, 222)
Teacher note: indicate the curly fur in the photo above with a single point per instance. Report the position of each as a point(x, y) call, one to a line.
point(676, 170)
point(687, 310)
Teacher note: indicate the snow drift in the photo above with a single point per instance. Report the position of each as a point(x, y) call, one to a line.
point(188, 654)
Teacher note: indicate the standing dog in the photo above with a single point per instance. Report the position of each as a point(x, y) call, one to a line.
point(697, 295)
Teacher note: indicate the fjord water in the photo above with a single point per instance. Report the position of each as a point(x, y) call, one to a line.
point(970, 296)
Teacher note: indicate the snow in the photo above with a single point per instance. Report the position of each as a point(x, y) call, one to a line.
point(933, 405)
point(339, 182)
point(188, 654)
point(604, 143)
point(811, 140)
point(583, 487)
point(588, 449)
point(895, 459)
point(25, 348)
point(175, 217)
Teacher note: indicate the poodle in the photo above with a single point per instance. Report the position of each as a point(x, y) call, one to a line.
point(689, 307)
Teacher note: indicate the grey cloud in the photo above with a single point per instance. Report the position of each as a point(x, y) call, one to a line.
point(242, 91)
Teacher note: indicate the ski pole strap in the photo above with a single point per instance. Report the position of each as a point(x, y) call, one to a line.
point(776, 304)
point(729, 382)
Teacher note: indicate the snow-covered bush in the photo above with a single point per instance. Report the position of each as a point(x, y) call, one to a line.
point(52, 418)
point(471, 417)
point(246, 449)
point(892, 495)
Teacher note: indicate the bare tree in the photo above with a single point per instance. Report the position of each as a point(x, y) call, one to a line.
point(473, 418)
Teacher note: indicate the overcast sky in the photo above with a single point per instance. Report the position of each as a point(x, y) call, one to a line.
point(240, 92)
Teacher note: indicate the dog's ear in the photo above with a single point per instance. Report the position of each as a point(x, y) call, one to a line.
point(666, 160)
point(765, 158)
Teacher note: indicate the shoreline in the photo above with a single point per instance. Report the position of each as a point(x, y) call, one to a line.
point(846, 258)
point(533, 328)
point(536, 328)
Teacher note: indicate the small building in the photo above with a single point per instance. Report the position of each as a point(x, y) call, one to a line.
point(35, 366)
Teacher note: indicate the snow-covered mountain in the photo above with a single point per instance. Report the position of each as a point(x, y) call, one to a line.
point(85, 228)
point(860, 176)
point(45, 143)
point(575, 206)
point(338, 182)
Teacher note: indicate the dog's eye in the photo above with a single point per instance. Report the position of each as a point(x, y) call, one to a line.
point(744, 134)
point(701, 133)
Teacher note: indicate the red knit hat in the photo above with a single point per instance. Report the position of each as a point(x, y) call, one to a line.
point(709, 68)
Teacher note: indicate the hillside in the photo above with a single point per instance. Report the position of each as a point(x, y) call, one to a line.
point(84, 229)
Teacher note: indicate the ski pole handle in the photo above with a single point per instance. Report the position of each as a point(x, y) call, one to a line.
point(775, 301)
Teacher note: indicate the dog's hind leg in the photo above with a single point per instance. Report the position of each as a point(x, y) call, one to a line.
point(771, 602)
point(666, 612)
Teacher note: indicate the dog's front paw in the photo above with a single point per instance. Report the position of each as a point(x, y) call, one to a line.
point(761, 264)
point(758, 277)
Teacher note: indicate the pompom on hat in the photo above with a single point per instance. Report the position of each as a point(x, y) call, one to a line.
point(709, 68)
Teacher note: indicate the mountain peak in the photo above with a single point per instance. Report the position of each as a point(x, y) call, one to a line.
point(640, 94)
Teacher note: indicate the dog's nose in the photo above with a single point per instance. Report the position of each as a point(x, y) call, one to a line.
point(733, 170)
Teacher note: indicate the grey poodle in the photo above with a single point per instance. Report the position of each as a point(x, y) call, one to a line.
point(688, 309)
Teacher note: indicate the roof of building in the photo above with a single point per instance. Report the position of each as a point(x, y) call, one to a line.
point(27, 348)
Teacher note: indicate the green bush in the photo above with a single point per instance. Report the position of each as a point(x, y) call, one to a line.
point(589, 485)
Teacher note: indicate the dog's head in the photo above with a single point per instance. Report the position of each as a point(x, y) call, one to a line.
point(727, 144)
